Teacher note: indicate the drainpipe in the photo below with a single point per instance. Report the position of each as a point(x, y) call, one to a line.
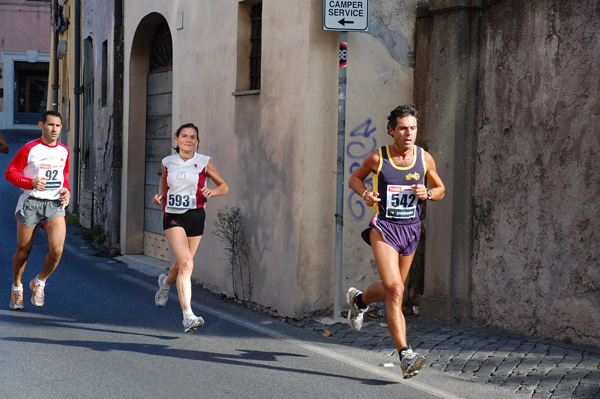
point(117, 159)
point(76, 108)
point(55, 59)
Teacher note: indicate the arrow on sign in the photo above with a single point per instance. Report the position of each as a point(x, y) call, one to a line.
point(343, 22)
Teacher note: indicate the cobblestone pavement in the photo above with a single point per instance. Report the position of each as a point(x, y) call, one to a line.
point(531, 367)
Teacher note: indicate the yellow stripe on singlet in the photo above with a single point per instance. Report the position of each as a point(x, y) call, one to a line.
point(387, 149)
point(424, 164)
point(376, 179)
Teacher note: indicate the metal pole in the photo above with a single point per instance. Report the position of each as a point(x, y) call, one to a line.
point(339, 211)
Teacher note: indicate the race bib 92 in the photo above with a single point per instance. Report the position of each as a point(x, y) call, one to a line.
point(401, 202)
point(53, 174)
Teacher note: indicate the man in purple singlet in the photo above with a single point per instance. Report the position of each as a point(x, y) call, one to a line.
point(399, 190)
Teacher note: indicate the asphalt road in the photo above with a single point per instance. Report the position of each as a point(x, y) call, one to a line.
point(100, 335)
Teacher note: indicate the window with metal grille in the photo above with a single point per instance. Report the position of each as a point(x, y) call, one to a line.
point(255, 39)
point(161, 52)
point(31, 91)
point(249, 48)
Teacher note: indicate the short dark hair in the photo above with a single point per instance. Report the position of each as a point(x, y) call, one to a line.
point(44, 116)
point(401, 112)
point(186, 126)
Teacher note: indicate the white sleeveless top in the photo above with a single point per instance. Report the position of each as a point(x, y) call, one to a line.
point(184, 182)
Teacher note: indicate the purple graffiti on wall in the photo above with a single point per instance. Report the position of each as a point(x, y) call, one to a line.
point(357, 149)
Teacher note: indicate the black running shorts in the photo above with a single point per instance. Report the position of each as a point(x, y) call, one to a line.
point(192, 221)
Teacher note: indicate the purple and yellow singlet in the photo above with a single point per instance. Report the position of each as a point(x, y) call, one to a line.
point(399, 202)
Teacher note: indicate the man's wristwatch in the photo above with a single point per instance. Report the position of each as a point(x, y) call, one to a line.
point(429, 194)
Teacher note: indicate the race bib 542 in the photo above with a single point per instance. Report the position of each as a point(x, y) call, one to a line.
point(401, 202)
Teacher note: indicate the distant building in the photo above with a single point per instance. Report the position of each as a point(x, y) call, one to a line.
point(25, 33)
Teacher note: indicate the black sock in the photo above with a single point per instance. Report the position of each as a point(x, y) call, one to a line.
point(400, 352)
point(359, 302)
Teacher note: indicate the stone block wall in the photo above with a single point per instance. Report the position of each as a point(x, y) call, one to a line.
point(536, 252)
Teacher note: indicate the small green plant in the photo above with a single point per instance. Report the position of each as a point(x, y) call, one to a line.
point(567, 340)
point(72, 219)
point(230, 230)
point(94, 234)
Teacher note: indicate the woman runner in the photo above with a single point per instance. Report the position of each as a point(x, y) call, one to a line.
point(184, 191)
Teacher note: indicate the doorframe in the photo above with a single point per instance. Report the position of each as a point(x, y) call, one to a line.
point(8, 58)
point(132, 230)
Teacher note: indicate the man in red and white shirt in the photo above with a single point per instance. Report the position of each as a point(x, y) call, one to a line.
point(41, 169)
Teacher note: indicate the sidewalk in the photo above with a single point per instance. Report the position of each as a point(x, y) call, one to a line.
point(529, 367)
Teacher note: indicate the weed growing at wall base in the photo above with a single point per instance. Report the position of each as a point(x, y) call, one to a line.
point(230, 230)
point(72, 219)
point(96, 233)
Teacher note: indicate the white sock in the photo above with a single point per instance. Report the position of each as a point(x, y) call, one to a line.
point(17, 288)
point(39, 282)
point(188, 314)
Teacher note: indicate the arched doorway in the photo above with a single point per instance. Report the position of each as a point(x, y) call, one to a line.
point(158, 136)
point(149, 135)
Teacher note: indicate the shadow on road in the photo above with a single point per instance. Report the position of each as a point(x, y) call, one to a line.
point(246, 358)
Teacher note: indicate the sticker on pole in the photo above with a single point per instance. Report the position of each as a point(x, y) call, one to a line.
point(346, 15)
point(343, 54)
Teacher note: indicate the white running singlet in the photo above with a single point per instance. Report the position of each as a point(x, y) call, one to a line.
point(184, 183)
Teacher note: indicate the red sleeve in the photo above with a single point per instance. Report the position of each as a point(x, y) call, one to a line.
point(16, 166)
point(66, 174)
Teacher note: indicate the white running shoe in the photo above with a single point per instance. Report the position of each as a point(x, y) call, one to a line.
point(192, 323)
point(162, 295)
point(37, 298)
point(411, 362)
point(16, 300)
point(355, 315)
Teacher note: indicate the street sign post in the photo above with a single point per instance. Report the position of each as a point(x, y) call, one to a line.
point(339, 208)
point(342, 16)
point(346, 15)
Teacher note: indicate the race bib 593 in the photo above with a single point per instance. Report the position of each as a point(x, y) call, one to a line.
point(181, 201)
